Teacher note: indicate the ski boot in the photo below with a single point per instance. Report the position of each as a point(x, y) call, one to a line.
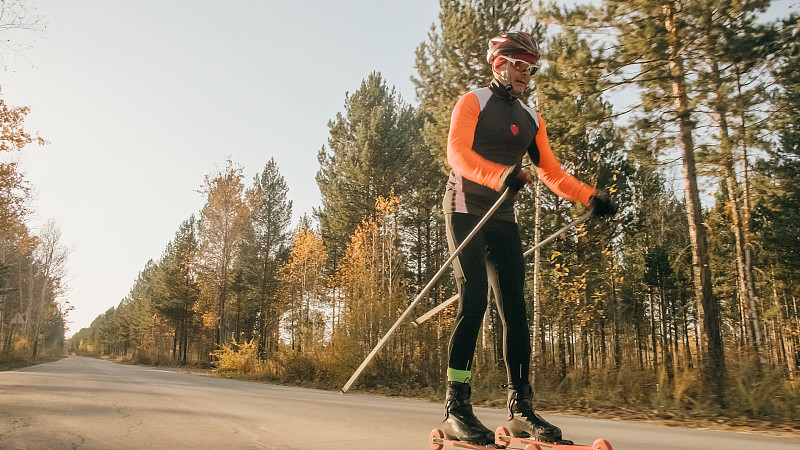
point(460, 422)
point(524, 422)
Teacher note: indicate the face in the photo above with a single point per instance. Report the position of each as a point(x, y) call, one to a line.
point(518, 77)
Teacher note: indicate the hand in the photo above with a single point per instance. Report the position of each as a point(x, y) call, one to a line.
point(601, 205)
point(517, 179)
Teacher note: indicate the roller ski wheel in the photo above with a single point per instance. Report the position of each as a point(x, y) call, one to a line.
point(438, 441)
point(503, 439)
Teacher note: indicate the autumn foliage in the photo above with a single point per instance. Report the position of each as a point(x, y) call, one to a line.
point(33, 307)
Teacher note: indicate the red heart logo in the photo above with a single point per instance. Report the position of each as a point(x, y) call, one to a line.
point(514, 129)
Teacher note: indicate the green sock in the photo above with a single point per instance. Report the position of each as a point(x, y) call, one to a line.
point(462, 376)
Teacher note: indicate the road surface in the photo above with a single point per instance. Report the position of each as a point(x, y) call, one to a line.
point(87, 403)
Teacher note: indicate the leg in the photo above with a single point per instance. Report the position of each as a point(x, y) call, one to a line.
point(506, 273)
point(506, 267)
point(471, 280)
point(460, 422)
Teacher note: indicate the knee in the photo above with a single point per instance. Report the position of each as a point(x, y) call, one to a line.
point(472, 312)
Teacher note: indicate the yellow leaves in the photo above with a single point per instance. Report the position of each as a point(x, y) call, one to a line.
point(307, 248)
point(386, 206)
point(210, 319)
point(238, 358)
point(223, 220)
point(370, 274)
point(303, 271)
point(12, 133)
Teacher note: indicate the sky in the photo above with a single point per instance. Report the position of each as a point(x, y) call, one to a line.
point(140, 100)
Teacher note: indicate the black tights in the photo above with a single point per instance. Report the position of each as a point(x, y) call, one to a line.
point(494, 256)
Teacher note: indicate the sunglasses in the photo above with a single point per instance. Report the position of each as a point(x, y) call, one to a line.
point(522, 66)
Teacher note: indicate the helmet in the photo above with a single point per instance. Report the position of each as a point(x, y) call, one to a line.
point(513, 42)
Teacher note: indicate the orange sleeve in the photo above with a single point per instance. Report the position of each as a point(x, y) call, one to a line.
point(554, 176)
point(460, 155)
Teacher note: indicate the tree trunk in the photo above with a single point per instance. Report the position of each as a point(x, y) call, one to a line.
point(639, 333)
point(785, 342)
point(537, 316)
point(741, 236)
point(221, 323)
point(562, 357)
point(685, 324)
point(666, 351)
point(617, 324)
point(653, 332)
point(714, 362)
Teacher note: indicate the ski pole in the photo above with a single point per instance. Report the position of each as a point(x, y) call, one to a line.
point(425, 290)
point(419, 320)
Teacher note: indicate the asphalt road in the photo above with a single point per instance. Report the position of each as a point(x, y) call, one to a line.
point(87, 403)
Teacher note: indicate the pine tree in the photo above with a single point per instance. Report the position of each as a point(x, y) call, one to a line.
point(653, 38)
point(735, 50)
point(270, 215)
point(777, 193)
point(143, 324)
point(420, 200)
point(367, 155)
point(177, 289)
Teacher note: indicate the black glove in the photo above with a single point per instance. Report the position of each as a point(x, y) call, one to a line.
point(601, 205)
point(516, 179)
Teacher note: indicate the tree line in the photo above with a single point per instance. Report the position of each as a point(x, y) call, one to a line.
point(33, 265)
point(686, 300)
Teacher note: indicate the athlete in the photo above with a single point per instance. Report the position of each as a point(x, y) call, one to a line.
point(491, 130)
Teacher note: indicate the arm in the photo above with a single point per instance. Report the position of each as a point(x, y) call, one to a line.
point(460, 155)
point(554, 176)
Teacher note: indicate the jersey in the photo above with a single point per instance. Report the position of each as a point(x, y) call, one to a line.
point(490, 132)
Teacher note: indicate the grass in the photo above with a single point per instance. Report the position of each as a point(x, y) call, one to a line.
point(21, 363)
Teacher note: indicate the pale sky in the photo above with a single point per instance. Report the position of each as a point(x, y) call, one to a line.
point(140, 100)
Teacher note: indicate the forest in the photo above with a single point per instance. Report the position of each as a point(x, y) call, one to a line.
point(33, 263)
point(686, 301)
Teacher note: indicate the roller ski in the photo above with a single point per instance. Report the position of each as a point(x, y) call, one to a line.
point(438, 441)
point(530, 429)
point(460, 427)
point(503, 439)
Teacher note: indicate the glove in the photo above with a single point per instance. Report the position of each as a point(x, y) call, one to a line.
point(601, 205)
point(516, 179)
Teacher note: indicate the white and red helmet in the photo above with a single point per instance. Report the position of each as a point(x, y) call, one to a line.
point(516, 44)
